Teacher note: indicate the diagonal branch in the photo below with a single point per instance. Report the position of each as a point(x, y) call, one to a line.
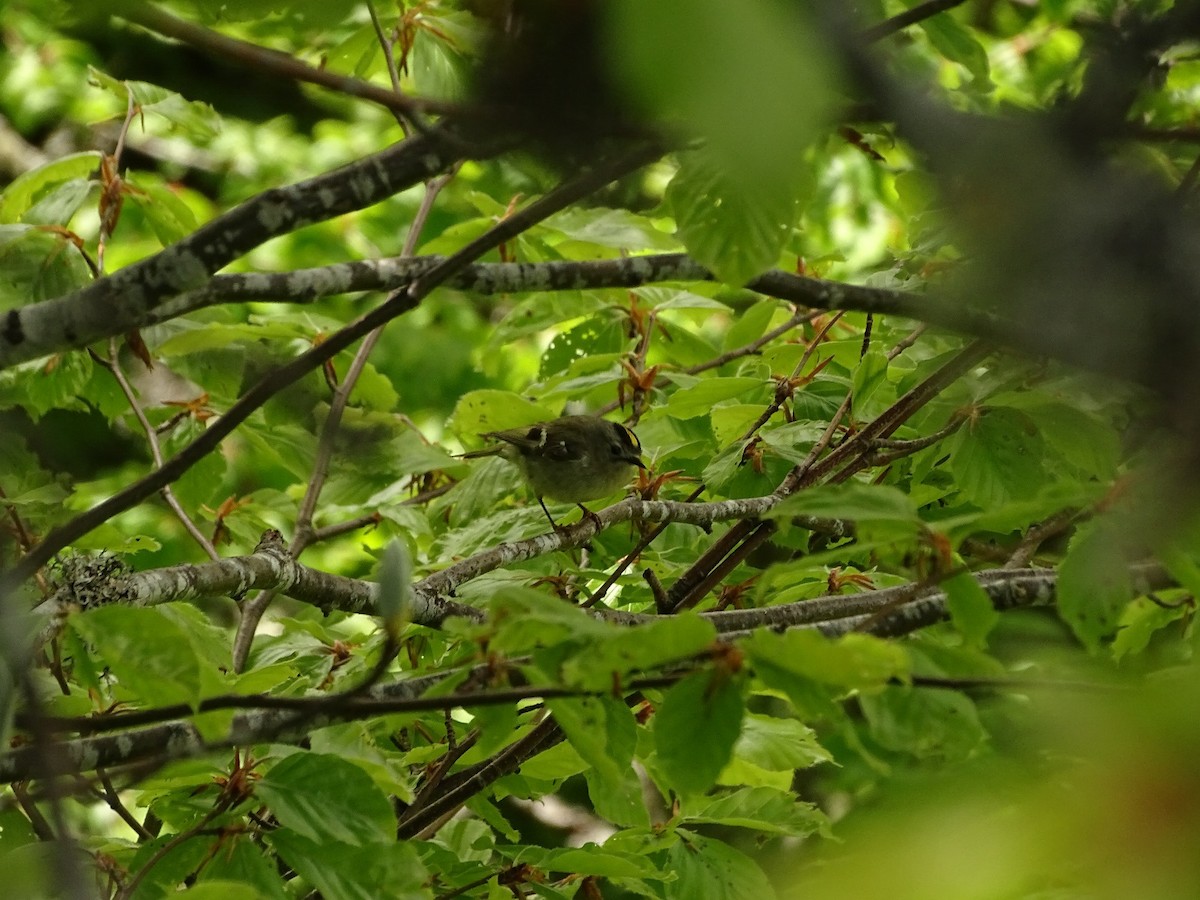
point(117, 303)
point(397, 303)
point(269, 716)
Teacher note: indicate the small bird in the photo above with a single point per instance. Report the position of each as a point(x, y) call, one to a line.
point(573, 458)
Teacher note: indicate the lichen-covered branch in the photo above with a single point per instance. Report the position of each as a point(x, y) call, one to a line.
point(120, 302)
point(887, 612)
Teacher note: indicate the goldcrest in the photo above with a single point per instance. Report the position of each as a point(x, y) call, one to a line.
point(573, 458)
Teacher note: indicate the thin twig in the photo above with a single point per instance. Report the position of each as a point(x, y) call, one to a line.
point(113, 365)
point(272, 61)
point(918, 13)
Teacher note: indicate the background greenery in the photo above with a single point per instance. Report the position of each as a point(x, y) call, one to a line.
point(1013, 172)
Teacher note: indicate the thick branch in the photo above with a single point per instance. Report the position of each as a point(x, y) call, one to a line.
point(120, 302)
point(269, 567)
point(884, 612)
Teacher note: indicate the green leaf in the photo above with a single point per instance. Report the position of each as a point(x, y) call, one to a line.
point(592, 337)
point(601, 729)
point(715, 871)
point(751, 323)
point(760, 808)
point(1094, 586)
point(672, 298)
point(348, 871)
point(970, 607)
point(58, 206)
point(150, 656)
point(1142, 619)
point(617, 228)
point(779, 744)
point(326, 799)
point(696, 727)
point(852, 500)
point(1083, 440)
point(191, 338)
point(30, 187)
point(59, 387)
point(957, 44)
point(699, 399)
point(169, 216)
point(853, 660)
point(618, 800)
point(754, 82)
point(923, 722)
point(723, 467)
point(395, 586)
point(616, 652)
point(482, 411)
point(869, 376)
point(199, 119)
point(37, 265)
point(731, 228)
point(592, 860)
point(374, 390)
point(526, 619)
point(998, 458)
point(221, 889)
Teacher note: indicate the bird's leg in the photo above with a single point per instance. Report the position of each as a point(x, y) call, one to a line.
point(591, 515)
point(553, 524)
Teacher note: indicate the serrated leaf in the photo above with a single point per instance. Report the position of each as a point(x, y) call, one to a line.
point(779, 744)
point(713, 870)
point(699, 399)
point(592, 860)
point(869, 376)
point(754, 86)
point(601, 729)
point(618, 800)
point(731, 228)
point(343, 871)
point(36, 264)
point(591, 337)
point(1094, 586)
point(672, 298)
point(327, 799)
point(696, 727)
point(59, 205)
point(374, 390)
point(217, 336)
point(199, 119)
point(617, 652)
point(998, 458)
point(482, 411)
point(957, 44)
point(853, 660)
point(970, 608)
point(926, 723)
point(721, 469)
point(1082, 439)
point(851, 500)
point(1144, 618)
point(221, 889)
point(150, 656)
point(168, 215)
point(617, 228)
point(763, 809)
point(26, 189)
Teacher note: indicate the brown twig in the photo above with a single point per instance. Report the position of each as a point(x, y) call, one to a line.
point(272, 61)
point(899, 22)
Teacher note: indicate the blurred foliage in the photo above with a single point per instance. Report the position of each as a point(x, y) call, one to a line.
point(1038, 753)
